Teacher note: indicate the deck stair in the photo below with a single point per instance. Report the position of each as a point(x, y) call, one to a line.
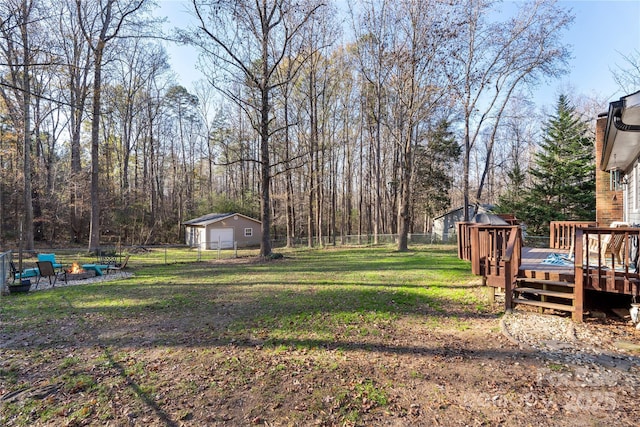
point(550, 294)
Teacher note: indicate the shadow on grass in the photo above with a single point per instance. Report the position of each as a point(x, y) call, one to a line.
point(335, 265)
point(144, 397)
point(191, 315)
point(313, 293)
point(444, 351)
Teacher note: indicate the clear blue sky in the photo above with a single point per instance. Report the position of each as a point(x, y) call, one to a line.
point(601, 33)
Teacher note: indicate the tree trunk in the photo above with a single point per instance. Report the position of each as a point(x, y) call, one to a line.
point(94, 228)
point(265, 245)
point(26, 131)
point(290, 210)
point(465, 169)
point(265, 161)
point(76, 169)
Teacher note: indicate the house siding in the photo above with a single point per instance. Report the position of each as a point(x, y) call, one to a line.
point(197, 234)
point(609, 203)
point(632, 197)
point(444, 226)
point(239, 223)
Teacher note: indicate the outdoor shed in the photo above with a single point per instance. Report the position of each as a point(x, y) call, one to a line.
point(444, 226)
point(223, 230)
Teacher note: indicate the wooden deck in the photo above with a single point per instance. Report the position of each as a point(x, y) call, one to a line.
point(532, 266)
point(618, 282)
point(607, 262)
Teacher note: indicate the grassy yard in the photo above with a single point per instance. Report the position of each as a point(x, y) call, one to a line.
point(327, 337)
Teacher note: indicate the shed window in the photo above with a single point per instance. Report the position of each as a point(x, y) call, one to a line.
point(248, 232)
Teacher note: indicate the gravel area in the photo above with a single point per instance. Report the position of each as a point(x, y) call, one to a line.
point(596, 353)
point(44, 283)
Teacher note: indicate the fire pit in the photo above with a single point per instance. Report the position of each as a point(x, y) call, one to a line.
point(78, 273)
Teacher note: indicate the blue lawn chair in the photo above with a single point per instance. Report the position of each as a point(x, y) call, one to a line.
point(51, 258)
point(24, 274)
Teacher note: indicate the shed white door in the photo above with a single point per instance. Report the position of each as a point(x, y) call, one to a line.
point(222, 236)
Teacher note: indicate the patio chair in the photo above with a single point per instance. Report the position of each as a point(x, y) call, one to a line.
point(606, 244)
point(121, 266)
point(46, 270)
point(14, 271)
point(24, 274)
point(51, 258)
point(609, 244)
point(107, 257)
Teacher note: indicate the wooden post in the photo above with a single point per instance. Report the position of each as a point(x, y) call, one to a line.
point(475, 250)
point(508, 283)
point(490, 290)
point(578, 302)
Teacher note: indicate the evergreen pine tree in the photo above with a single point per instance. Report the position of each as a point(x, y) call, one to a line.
point(433, 164)
point(563, 173)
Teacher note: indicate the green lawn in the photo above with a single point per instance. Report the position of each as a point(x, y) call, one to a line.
point(302, 296)
point(229, 330)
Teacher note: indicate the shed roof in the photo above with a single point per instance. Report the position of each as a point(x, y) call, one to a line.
point(215, 217)
point(482, 207)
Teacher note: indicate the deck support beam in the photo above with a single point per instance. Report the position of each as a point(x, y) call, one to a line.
point(578, 290)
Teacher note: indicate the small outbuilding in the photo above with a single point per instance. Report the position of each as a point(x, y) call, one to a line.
point(444, 226)
point(223, 230)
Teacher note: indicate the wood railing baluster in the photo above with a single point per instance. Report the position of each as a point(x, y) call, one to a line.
point(496, 251)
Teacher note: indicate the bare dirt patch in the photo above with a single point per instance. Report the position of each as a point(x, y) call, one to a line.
point(190, 366)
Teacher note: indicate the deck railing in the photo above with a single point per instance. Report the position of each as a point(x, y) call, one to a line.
point(496, 253)
point(562, 233)
point(512, 260)
point(463, 233)
point(607, 259)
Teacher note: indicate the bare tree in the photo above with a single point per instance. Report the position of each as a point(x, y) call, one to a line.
point(493, 60)
point(248, 40)
point(210, 117)
point(75, 73)
point(315, 87)
point(183, 107)
point(423, 34)
point(101, 22)
point(627, 76)
point(373, 29)
point(18, 55)
point(138, 64)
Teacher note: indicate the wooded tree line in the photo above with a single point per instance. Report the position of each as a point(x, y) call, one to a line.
point(321, 122)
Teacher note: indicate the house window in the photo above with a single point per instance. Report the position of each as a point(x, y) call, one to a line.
point(248, 232)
